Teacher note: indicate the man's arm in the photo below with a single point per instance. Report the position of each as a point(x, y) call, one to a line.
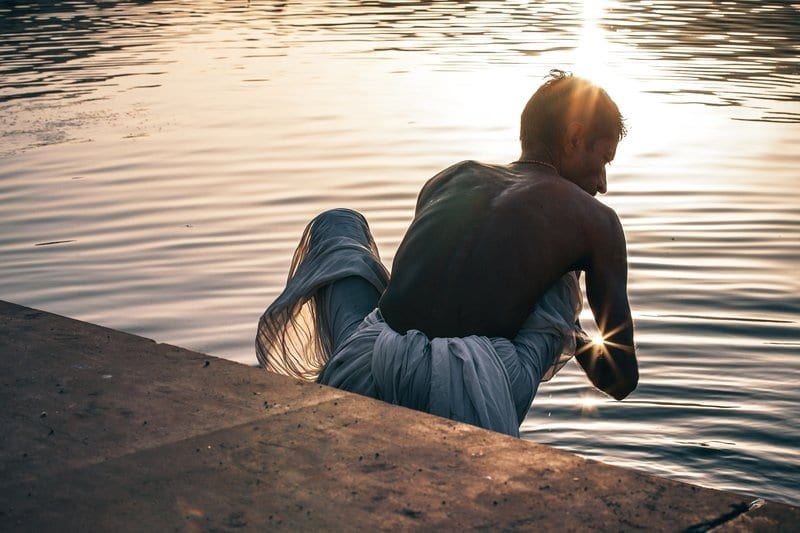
point(612, 366)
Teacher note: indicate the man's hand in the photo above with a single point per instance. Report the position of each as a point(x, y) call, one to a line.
point(611, 368)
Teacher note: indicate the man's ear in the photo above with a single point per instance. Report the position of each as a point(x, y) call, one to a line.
point(573, 137)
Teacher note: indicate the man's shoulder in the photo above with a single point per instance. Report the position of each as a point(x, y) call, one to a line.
point(465, 175)
point(562, 203)
point(472, 164)
point(566, 194)
point(470, 167)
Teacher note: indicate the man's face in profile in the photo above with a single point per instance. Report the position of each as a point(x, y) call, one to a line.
point(584, 163)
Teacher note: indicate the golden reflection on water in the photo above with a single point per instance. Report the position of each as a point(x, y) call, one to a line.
point(591, 53)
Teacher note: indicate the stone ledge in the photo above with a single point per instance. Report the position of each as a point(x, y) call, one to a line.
point(104, 430)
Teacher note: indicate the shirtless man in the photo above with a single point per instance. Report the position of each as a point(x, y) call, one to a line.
point(487, 241)
point(483, 298)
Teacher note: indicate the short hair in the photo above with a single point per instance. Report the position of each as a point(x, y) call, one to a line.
point(562, 99)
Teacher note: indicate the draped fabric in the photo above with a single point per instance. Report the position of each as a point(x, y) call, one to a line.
point(294, 333)
point(485, 381)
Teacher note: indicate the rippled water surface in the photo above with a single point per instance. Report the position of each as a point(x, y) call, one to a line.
point(159, 160)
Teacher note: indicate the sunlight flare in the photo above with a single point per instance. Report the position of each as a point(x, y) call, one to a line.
point(589, 403)
point(598, 340)
point(591, 54)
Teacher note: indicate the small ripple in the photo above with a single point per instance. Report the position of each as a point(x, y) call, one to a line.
point(720, 318)
point(682, 404)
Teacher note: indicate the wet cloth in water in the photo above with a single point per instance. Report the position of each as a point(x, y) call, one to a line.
point(316, 330)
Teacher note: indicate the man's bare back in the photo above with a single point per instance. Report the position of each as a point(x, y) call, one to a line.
point(486, 242)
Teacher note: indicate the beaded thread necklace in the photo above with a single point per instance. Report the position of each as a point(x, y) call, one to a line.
point(537, 162)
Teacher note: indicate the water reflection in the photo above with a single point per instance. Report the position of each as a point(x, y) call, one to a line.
point(44, 39)
point(727, 53)
point(731, 53)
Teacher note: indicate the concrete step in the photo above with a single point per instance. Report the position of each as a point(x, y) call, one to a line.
point(107, 431)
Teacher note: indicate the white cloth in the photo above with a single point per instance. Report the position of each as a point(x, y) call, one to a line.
point(483, 381)
point(294, 336)
point(488, 382)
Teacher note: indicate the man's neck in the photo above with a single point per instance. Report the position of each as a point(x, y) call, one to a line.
point(537, 158)
point(538, 153)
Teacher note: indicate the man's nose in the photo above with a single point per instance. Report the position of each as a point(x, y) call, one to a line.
point(602, 183)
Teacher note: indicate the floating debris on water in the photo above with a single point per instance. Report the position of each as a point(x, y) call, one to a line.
point(54, 242)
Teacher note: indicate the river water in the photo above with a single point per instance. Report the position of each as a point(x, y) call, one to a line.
point(159, 160)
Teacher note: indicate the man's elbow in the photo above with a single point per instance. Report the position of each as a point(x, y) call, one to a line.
point(624, 387)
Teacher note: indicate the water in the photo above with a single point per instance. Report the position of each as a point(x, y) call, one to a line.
point(159, 160)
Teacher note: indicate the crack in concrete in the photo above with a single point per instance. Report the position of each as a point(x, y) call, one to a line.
point(738, 510)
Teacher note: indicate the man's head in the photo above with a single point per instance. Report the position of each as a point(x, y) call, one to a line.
point(575, 124)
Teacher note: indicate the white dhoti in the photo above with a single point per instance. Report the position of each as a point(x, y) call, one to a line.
point(485, 381)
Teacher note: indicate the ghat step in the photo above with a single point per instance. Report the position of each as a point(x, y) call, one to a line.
point(107, 431)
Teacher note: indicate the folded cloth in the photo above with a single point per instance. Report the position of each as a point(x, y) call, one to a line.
point(485, 381)
point(294, 334)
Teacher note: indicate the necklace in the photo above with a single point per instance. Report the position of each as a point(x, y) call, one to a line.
point(537, 162)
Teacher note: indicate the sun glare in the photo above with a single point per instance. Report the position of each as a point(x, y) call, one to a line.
point(591, 54)
point(589, 404)
point(598, 340)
